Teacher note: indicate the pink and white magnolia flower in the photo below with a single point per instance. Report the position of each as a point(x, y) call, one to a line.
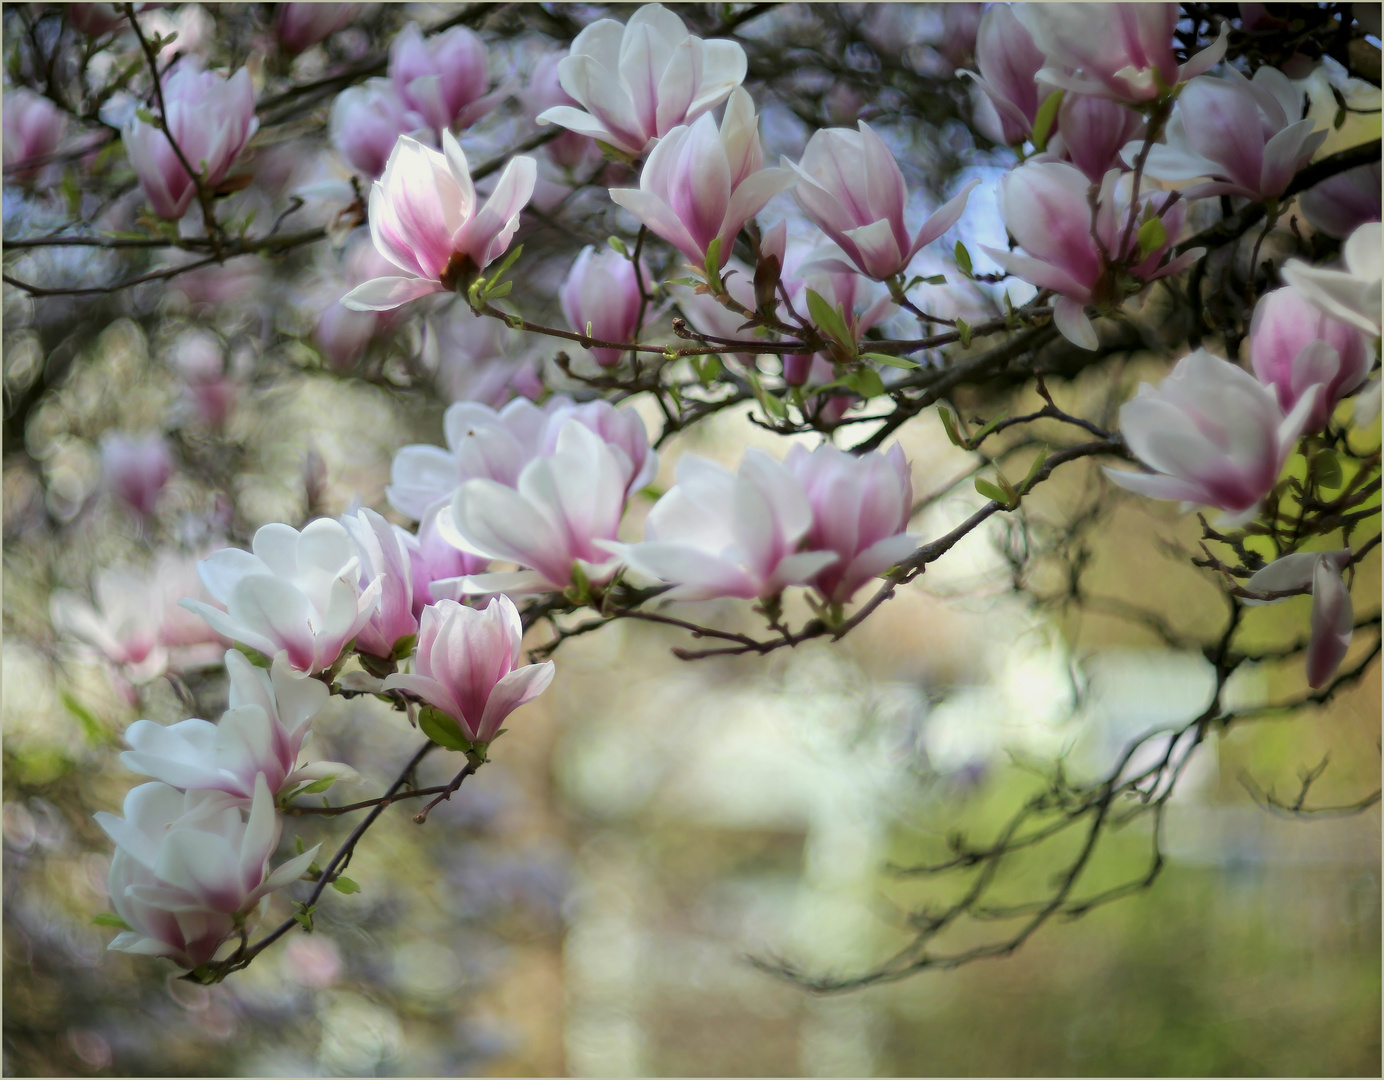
point(860, 510)
point(1333, 614)
point(562, 512)
point(211, 118)
point(622, 430)
point(367, 121)
point(1009, 64)
point(602, 291)
point(1293, 345)
point(1246, 135)
point(301, 26)
point(134, 468)
point(850, 186)
point(1351, 295)
point(383, 555)
point(443, 78)
point(639, 81)
point(1213, 434)
point(33, 128)
point(702, 183)
point(1046, 209)
point(260, 734)
point(187, 865)
point(467, 665)
point(719, 534)
point(296, 592)
point(424, 219)
point(431, 559)
point(1121, 51)
point(1340, 204)
point(1091, 132)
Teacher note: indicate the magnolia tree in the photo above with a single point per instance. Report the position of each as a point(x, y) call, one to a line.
point(561, 221)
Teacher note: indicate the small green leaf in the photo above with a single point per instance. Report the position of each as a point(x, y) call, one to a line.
point(147, 117)
point(510, 260)
point(403, 648)
point(829, 320)
point(712, 265)
point(990, 491)
point(865, 382)
point(318, 786)
point(1152, 236)
point(949, 422)
point(106, 918)
point(890, 361)
point(618, 246)
point(254, 655)
point(345, 885)
point(1046, 117)
point(1033, 470)
point(935, 279)
point(682, 281)
point(1339, 120)
point(496, 292)
point(298, 844)
point(1326, 466)
point(304, 919)
point(963, 329)
point(708, 368)
point(963, 258)
point(443, 730)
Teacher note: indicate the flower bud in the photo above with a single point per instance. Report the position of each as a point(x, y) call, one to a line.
point(602, 292)
point(34, 127)
point(135, 468)
point(367, 121)
point(443, 78)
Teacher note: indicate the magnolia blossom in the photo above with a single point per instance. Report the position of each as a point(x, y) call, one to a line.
point(862, 302)
point(476, 358)
point(639, 81)
point(1333, 614)
point(298, 593)
point(1046, 209)
point(622, 430)
point(467, 665)
point(94, 19)
point(341, 333)
point(1213, 434)
point(602, 292)
point(209, 392)
point(135, 468)
point(850, 186)
point(33, 128)
point(717, 534)
point(860, 509)
point(1293, 346)
point(260, 734)
point(1340, 204)
point(443, 78)
point(187, 865)
point(431, 559)
point(702, 183)
point(367, 121)
point(301, 26)
point(424, 219)
point(384, 556)
point(211, 119)
point(560, 515)
point(1247, 135)
point(1009, 63)
point(1121, 51)
point(1092, 131)
point(1352, 295)
point(544, 92)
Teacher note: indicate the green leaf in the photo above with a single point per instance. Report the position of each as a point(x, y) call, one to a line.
point(345, 885)
point(1326, 466)
point(712, 265)
point(865, 382)
point(688, 281)
point(317, 786)
point(1152, 236)
point(510, 260)
point(404, 647)
point(92, 728)
point(1046, 117)
point(963, 329)
point(254, 655)
point(147, 117)
point(1033, 470)
point(106, 918)
point(708, 368)
point(935, 279)
point(767, 401)
point(829, 320)
point(949, 422)
point(890, 361)
point(618, 246)
point(443, 730)
point(495, 292)
point(990, 491)
point(304, 919)
point(963, 258)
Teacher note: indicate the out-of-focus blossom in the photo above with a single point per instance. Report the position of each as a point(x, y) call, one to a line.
point(570, 149)
point(210, 117)
point(261, 733)
point(602, 291)
point(1333, 614)
point(1293, 345)
point(1342, 203)
point(187, 29)
point(475, 358)
point(1246, 135)
point(424, 219)
point(34, 127)
point(367, 121)
point(301, 26)
point(1121, 51)
point(960, 27)
point(134, 468)
point(860, 510)
point(560, 514)
point(341, 333)
point(1213, 436)
point(702, 183)
point(443, 78)
point(1092, 131)
point(467, 665)
point(298, 592)
point(1009, 62)
point(1351, 295)
point(211, 394)
point(622, 430)
point(639, 81)
point(187, 864)
point(850, 186)
point(862, 302)
point(94, 19)
point(716, 534)
point(1046, 208)
point(383, 555)
point(431, 559)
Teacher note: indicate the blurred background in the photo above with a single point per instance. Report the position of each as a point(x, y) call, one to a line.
point(594, 901)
